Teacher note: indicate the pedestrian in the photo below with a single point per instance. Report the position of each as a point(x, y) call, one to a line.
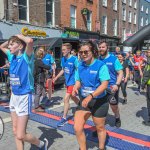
point(146, 82)
point(124, 81)
point(116, 74)
point(39, 78)
point(20, 49)
point(69, 64)
point(92, 79)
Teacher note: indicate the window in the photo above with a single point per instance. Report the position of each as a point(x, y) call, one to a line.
point(142, 8)
point(130, 2)
point(134, 18)
point(115, 27)
point(146, 22)
point(130, 16)
point(135, 4)
point(124, 1)
point(123, 34)
point(49, 12)
point(89, 21)
point(104, 25)
point(146, 10)
point(124, 14)
point(73, 16)
point(23, 10)
point(141, 21)
point(104, 3)
point(114, 4)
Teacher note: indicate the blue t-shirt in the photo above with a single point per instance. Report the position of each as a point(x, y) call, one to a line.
point(9, 55)
point(91, 76)
point(48, 60)
point(69, 66)
point(21, 73)
point(113, 65)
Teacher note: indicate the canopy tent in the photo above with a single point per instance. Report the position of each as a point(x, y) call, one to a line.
point(138, 37)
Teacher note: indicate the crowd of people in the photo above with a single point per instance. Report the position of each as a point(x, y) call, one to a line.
point(93, 77)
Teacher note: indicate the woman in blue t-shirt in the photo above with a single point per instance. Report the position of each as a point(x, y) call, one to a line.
point(92, 79)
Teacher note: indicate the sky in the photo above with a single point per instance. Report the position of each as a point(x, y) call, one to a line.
point(148, 0)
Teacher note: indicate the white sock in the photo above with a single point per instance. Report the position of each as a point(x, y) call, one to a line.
point(41, 144)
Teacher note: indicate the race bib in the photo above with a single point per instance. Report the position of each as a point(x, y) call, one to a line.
point(14, 80)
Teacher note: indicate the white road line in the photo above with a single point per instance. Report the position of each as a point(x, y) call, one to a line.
point(60, 105)
point(6, 120)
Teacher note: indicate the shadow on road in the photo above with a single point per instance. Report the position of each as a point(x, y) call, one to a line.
point(142, 113)
point(50, 134)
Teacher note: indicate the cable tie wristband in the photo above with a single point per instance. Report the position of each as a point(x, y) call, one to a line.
point(92, 95)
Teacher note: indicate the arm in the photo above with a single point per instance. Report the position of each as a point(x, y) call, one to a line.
point(127, 74)
point(60, 74)
point(29, 43)
point(4, 46)
point(76, 88)
point(42, 65)
point(53, 68)
point(131, 61)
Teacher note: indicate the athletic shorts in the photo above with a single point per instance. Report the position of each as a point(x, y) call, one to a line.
point(113, 98)
point(70, 89)
point(131, 68)
point(21, 104)
point(97, 106)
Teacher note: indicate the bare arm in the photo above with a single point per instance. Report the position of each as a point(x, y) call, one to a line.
point(76, 88)
point(29, 43)
point(60, 74)
point(119, 77)
point(4, 46)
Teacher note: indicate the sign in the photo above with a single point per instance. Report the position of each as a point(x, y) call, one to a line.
point(146, 44)
point(84, 11)
point(72, 34)
point(26, 32)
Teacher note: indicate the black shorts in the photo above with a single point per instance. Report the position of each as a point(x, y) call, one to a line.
point(97, 106)
point(113, 98)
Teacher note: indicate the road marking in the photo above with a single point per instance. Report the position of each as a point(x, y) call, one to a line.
point(60, 105)
point(6, 120)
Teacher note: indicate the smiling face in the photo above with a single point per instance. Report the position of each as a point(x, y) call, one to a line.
point(121, 58)
point(65, 51)
point(103, 49)
point(86, 53)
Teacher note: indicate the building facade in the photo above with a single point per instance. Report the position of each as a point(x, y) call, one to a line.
point(143, 13)
point(128, 18)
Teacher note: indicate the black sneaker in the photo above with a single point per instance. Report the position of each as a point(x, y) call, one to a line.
point(118, 123)
point(94, 134)
point(146, 123)
point(124, 102)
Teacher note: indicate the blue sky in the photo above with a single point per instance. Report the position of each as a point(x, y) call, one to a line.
point(148, 0)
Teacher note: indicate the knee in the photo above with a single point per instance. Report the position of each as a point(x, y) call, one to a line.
point(100, 128)
point(20, 137)
point(78, 129)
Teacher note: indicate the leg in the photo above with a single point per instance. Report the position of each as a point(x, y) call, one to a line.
point(38, 93)
point(79, 121)
point(101, 131)
point(75, 99)
point(148, 100)
point(49, 88)
point(21, 131)
point(19, 143)
point(66, 104)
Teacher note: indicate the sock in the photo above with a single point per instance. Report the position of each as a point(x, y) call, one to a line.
point(41, 144)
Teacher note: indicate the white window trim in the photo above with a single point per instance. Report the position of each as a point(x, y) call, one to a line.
point(104, 3)
point(141, 22)
point(130, 3)
point(53, 18)
point(142, 8)
point(90, 29)
point(115, 27)
point(124, 15)
point(135, 18)
point(130, 17)
point(147, 10)
point(135, 4)
point(75, 15)
point(105, 25)
point(124, 1)
point(115, 5)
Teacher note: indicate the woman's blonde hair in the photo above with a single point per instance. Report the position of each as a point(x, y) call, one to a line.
point(39, 54)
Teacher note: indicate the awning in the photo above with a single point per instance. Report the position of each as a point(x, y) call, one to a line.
point(137, 37)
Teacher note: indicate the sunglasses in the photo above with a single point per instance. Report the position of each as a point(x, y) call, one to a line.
point(84, 52)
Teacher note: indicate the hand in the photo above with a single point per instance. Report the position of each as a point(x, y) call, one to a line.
point(86, 101)
point(114, 88)
point(54, 79)
point(75, 91)
point(125, 80)
point(53, 76)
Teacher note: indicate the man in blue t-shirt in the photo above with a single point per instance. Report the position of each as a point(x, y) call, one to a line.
point(116, 74)
point(20, 52)
point(69, 64)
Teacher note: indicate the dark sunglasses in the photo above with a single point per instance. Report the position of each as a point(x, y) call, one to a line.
point(84, 52)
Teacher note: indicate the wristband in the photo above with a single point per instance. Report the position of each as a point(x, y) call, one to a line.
point(92, 95)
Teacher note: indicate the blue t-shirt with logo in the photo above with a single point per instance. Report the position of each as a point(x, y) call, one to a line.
point(113, 65)
point(21, 73)
point(48, 60)
point(69, 66)
point(91, 76)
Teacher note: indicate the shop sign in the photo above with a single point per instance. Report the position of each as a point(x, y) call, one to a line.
point(72, 34)
point(27, 32)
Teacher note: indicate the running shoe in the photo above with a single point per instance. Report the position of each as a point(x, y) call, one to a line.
point(124, 101)
point(62, 122)
point(118, 123)
point(146, 123)
point(45, 146)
